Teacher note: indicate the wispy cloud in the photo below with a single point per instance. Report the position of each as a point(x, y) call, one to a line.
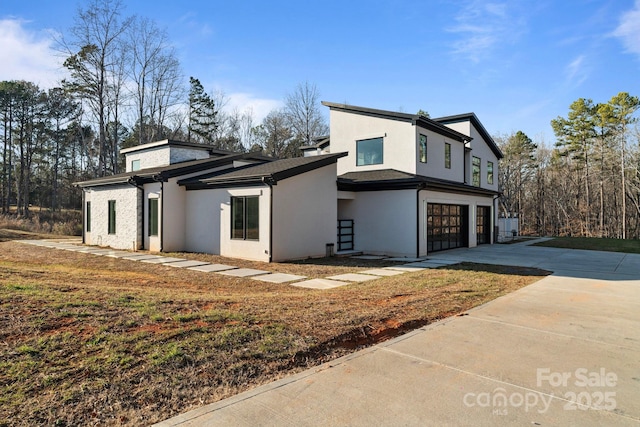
point(628, 30)
point(577, 71)
point(259, 107)
point(28, 55)
point(482, 27)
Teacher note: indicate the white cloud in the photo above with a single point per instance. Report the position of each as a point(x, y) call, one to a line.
point(629, 29)
point(482, 26)
point(577, 71)
point(28, 55)
point(260, 107)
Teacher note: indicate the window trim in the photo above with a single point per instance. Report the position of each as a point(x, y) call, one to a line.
point(153, 217)
point(476, 161)
point(381, 151)
point(245, 218)
point(489, 172)
point(88, 217)
point(111, 224)
point(422, 148)
point(447, 155)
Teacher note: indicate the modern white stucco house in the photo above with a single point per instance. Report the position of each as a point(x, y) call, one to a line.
point(382, 183)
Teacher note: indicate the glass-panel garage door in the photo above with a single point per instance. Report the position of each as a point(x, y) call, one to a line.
point(483, 226)
point(446, 226)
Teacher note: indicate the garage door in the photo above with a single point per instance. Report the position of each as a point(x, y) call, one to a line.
point(483, 226)
point(446, 227)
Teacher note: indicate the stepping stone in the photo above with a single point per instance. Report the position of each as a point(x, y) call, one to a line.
point(368, 257)
point(405, 259)
point(141, 257)
point(243, 272)
point(186, 264)
point(353, 277)
point(162, 260)
point(212, 267)
point(278, 277)
point(102, 252)
point(382, 272)
point(118, 254)
point(319, 284)
point(405, 268)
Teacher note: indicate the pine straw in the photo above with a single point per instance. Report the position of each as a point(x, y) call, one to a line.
point(88, 340)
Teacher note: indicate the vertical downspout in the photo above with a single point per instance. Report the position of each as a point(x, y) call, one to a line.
point(420, 188)
point(133, 182)
point(270, 182)
point(84, 216)
point(494, 216)
point(161, 216)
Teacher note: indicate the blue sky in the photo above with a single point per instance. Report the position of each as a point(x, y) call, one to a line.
point(516, 64)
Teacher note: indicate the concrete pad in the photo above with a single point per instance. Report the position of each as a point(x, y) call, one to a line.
point(102, 252)
point(186, 264)
point(278, 277)
point(162, 260)
point(353, 277)
point(442, 261)
point(382, 272)
point(405, 259)
point(243, 272)
point(118, 254)
point(372, 257)
point(212, 268)
point(405, 268)
point(141, 257)
point(320, 284)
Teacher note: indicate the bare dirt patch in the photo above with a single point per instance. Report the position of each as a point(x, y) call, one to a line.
point(88, 340)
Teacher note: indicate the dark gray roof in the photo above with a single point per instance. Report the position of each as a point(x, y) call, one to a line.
point(415, 119)
point(477, 124)
point(162, 173)
point(391, 179)
point(270, 172)
point(175, 143)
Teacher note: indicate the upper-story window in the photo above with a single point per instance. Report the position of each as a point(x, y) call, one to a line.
point(135, 165)
point(447, 155)
point(422, 149)
point(490, 173)
point(369, 152)
point(475, 172)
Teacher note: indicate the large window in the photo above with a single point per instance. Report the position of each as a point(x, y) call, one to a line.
point(447, 155)
point(490, 173)
point(112, 217)
point(245, 218)
point(153, 217)
point(423, 149)
point(369, 152)
point(88, 225)
point(135, 165)
point(475, 172)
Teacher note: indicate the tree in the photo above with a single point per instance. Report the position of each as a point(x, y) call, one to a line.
point(202, 114)
point(516, 169)
point(274, 134)
point(423, 113)
point(303, 113)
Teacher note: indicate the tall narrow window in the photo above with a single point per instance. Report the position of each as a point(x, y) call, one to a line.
point(245, 218)
point(423, 149)
point(369, 152)
point(475, 172)
point(153, 217)
point(490, 173)
point(447, 155)
point(135, 165)
point(112, 217)
point(88, 219)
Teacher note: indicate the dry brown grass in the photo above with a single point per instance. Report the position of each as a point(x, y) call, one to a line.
point(93, 340)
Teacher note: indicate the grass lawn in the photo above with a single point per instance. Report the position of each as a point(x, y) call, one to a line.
point(95, 340)
point(594, 244)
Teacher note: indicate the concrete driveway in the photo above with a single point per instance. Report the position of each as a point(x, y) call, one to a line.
point(562, 351)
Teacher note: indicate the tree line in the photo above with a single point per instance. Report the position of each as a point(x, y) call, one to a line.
point(125, 87)
point(588, 183)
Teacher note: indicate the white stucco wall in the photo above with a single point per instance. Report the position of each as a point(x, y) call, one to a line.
point(399, 141)
point(152, 243)
point(435, 166)
point(384, 221)
point(128, 222)
point(305, 214)
point(204, 220)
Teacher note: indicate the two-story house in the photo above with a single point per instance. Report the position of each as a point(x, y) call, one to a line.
point(381, 183)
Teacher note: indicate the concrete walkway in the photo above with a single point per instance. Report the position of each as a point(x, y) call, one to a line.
point(563, 351)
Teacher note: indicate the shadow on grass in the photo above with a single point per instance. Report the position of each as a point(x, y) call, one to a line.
point(499, 269)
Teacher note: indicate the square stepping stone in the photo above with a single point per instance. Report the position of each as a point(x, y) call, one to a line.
point(319, 284)
point(405, 259)
point(141, 257)
point(373, 257)
point(243, 272)
point(405, 268)
point(278, 277)
point(101, 252)
point(353, 277)
point(382, 272)
point(118, 254)
point(212, 268)
point(162, 260)
point(186, 263)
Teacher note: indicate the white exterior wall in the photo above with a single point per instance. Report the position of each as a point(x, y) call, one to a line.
point(399, 141)
point(173, 216)
point(305, 214)
point(435, 166)
point(256, 250)
point(128, 222)
point(164, 155)
point(152, 243)
point(384, 221)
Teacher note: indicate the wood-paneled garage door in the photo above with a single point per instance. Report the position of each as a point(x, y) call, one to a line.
point(446, 226)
